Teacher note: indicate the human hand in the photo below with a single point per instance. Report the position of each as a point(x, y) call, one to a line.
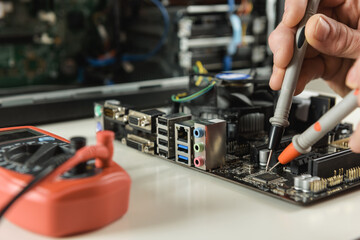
point(353, 81)
point(334, 42)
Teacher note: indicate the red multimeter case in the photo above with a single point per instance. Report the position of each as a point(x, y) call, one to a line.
point(59, 206)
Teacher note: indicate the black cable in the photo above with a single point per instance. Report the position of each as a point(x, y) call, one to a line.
point(37, 179)
point(49, 168)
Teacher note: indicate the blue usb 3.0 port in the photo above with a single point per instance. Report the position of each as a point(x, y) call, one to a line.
point(183, 159)
point(182, 148)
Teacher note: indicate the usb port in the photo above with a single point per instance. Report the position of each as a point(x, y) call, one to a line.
point(163, 153)
point(162, 121)
point(162, 132)
point(183, 159)
point(182, 148)
point(163, 142)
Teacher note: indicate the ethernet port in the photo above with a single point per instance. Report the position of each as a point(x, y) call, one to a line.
point(182, 134)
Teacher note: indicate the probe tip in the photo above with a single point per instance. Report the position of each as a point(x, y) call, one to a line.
point(268, 160)
point(274, 166)
point(289, 154)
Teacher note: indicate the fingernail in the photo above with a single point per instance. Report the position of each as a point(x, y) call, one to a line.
point(351, 79)
point(322, 30)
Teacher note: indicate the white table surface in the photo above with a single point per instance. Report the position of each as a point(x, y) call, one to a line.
point(172, 202)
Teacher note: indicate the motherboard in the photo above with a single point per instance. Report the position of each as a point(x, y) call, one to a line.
point(231, 143)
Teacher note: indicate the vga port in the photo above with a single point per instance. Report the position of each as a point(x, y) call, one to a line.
point(144, 120)
point(134, 120)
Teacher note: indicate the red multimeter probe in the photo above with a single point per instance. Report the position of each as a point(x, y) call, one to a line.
point(67, 201)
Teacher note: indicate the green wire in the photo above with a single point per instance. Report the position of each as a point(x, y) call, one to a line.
point(193, 96)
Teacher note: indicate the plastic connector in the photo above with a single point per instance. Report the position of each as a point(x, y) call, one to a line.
point(199, 147)
point(199, 162)
point(199, 132)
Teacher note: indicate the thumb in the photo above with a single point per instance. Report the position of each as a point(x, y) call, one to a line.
point(354, 142)
point(332, 38)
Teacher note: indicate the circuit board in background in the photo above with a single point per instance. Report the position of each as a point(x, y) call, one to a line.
point(44, 42)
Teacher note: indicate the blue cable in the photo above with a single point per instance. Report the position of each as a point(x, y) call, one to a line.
point(101, 62)
point(237, 34)
point(139, 57)
point(236, 39)
point(231, 4)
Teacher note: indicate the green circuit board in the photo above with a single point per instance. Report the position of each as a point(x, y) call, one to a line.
point(45, 41)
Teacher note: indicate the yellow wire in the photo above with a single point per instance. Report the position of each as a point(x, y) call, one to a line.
point(202, 70)
point(179, 95)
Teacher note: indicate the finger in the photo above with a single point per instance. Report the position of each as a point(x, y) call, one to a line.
point(354, 142)
point(277, 78)
point(311, 52)
point(326, 11)
point(332, 38)
point(311, 69)
point(331, 3)
point(352, 79)
point(336, 81)
point(281, 42)
point(294, 12)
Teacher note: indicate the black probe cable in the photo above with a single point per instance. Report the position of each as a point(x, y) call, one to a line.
point(46, 171)
point(56, 161)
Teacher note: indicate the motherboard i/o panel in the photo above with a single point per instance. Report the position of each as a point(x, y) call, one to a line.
point(166, 133)
point(200, 144)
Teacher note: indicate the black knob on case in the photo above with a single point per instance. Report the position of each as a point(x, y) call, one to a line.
point(76, 143)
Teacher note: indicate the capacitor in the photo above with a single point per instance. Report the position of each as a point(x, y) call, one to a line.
point(298, 181)
point(307, 182)
point(263, 156)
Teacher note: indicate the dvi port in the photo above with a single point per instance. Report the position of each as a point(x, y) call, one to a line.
point(140, 144)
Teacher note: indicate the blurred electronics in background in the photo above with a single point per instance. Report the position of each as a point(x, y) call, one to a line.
point(59, 56)
point(223, 35)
